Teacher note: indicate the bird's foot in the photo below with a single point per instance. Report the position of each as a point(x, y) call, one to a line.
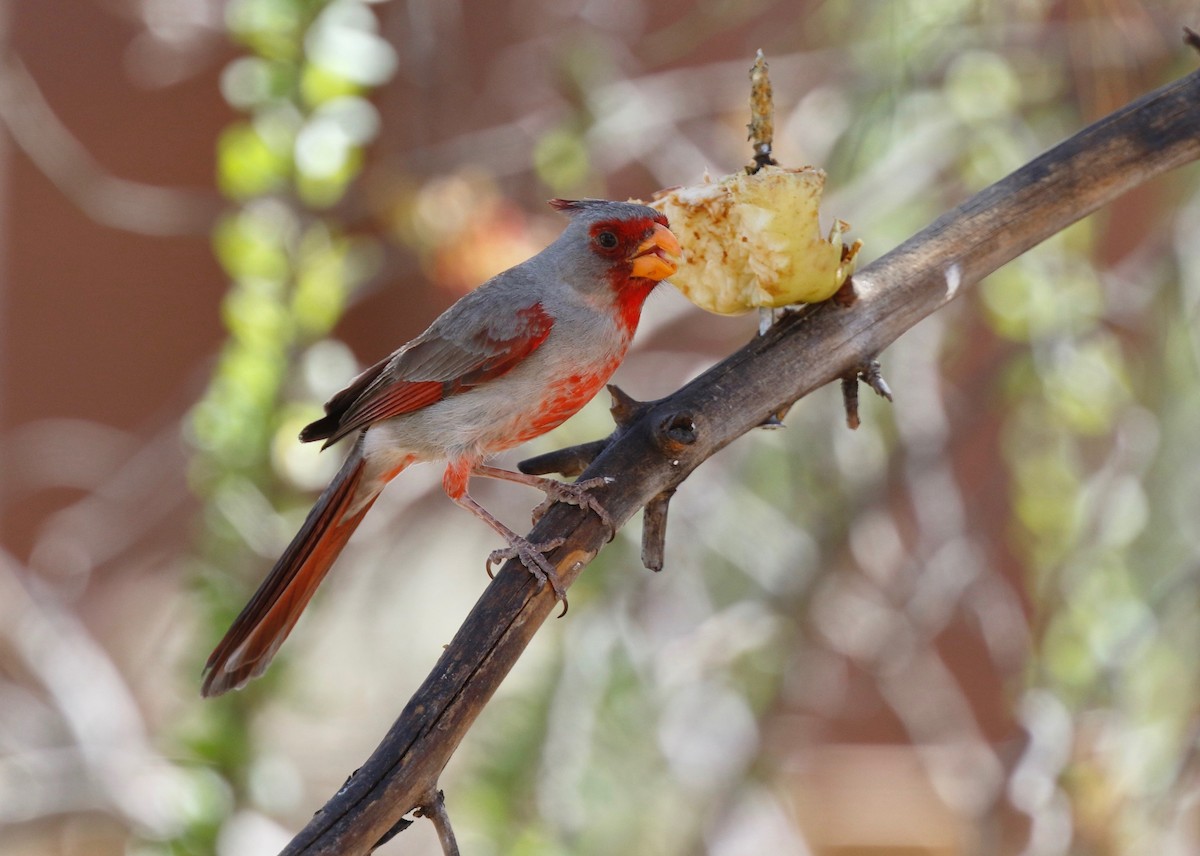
point(578, 493)
point(532, 557)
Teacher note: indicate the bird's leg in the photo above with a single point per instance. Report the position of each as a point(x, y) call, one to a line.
point(577, 493)
point(454, 482)
point(530, 554)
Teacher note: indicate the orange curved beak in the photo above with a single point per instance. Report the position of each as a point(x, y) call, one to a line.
point(655, 257)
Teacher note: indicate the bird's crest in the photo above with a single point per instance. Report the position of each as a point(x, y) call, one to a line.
point(577, 206)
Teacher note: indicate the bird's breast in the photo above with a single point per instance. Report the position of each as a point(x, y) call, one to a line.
point(563, 398)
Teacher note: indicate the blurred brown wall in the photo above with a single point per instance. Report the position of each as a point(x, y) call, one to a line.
point(102, 323)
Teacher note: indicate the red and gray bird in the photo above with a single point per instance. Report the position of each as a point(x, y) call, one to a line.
point(506, 363)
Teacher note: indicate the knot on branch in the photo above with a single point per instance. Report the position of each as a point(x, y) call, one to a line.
point(675, 432)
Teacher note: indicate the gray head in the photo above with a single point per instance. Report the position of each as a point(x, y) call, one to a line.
point(623, 246)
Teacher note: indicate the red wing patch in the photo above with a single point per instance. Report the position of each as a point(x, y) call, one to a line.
point(506, 353)
point(397, 398)
point(383, 391)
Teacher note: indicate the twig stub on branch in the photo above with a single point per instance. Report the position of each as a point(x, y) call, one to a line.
point(434, 808)
point(762, 115)
point(870, 374)
point(654, 531)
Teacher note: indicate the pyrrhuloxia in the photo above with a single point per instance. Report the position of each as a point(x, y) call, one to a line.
point(506, 363)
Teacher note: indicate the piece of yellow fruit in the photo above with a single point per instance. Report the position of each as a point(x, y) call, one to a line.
point(753, 241)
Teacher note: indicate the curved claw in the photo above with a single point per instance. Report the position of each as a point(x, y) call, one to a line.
point(579, 494)
point(533, 558)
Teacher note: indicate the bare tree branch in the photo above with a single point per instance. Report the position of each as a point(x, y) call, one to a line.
point(667, 439)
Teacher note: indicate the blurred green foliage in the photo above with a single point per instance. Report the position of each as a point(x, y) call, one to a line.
point(302, 89)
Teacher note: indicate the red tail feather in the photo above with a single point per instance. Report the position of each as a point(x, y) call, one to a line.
point(267, 619)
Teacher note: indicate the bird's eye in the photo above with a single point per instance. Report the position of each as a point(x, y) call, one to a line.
point(607, 240)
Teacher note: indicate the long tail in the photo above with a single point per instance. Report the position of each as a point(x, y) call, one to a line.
point(266, 620)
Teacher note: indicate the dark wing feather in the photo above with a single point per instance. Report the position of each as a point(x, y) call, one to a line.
point(429, 369)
